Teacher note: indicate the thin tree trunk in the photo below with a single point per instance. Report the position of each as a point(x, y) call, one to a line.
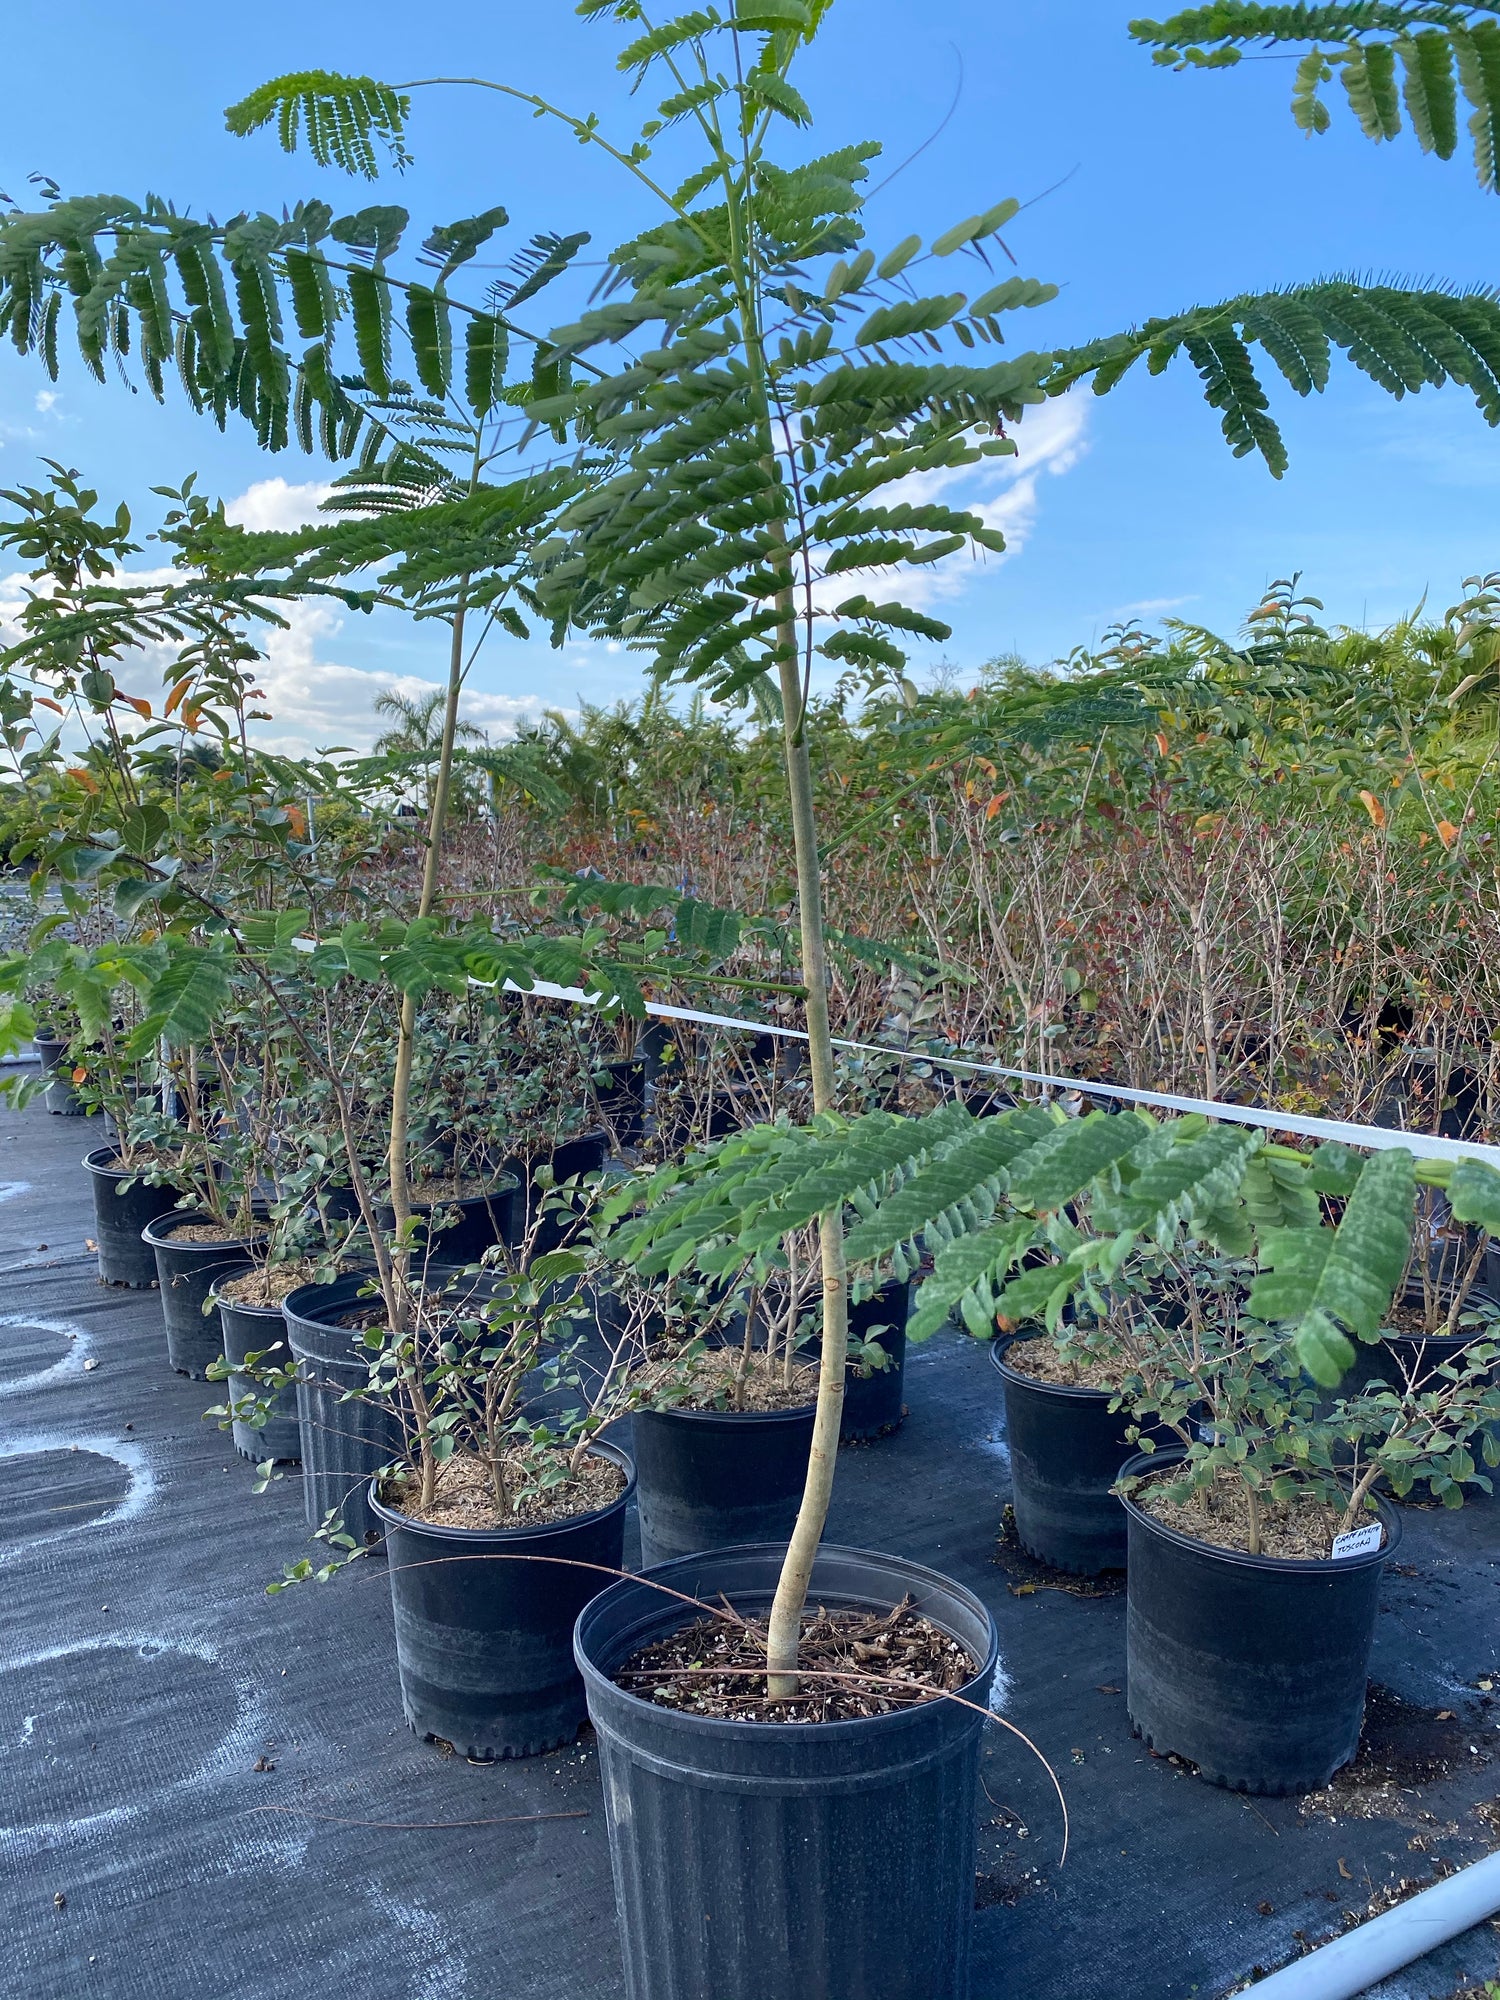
point(431, 870)
point(796, 1571)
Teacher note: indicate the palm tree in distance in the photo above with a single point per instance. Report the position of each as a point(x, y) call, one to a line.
point(416, 738)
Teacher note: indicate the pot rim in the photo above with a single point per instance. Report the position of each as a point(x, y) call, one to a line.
point(291, 1311)
point(541, 1530)
point(1064, 1392)
point(973, 1690)
point(239, 1306)
point(179, 1215)
point(797, 1414)
point(505, 1183)
point(95, 1165)
point(363, 1275)
point(1388, 1516)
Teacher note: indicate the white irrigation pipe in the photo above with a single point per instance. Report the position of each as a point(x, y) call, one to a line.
point(1362, 1958)
point(1373, 1138)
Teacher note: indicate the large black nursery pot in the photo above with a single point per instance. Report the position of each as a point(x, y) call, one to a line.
point(874, 1404)
point(780, 1861)
point(622, 1098)
point(1066, 1450)
point(479, 1220)
point(260, 1330)
point(341, 1444)
point(484, 1622)
point(119, 1218)
point(60, 1098)
point(187, 1272)
point(709, 1478)
point(1387, 1361)
point(1252, 1667)
point(574, 1157)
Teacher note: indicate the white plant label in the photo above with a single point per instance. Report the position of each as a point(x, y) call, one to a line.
point(1358, 1541)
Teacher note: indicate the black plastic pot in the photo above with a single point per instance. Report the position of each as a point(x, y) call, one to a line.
point(342, 1444)
point(874, 1403)
point(585, 1155)
point(187, 1273)
point(710, 1478)
point(1252, 1667)
point(260, 1330)
point(1066, 1450)
point(484, 1645)
point(481, 1220)
point(60, 1098)
point(1389, 1360)
point(774, 1861)
point(124, 1259)
point(622, 1098)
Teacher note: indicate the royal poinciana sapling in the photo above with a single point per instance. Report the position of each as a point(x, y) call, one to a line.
point(783, 433)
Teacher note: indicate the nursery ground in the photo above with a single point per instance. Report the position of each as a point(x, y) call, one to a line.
point(206, 1790)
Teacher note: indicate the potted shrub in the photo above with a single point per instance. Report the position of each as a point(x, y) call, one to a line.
point(136, 1178)
point(1068, 1427)
point(502, 1507)
point(347, 1431)
point(1442, 1305)
point(1256, 1543)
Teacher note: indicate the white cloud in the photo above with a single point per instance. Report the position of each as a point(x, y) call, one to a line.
point(1146, 607)
point(46, 399)
point(315, 701)
point(1003, 492)
point(276, 504)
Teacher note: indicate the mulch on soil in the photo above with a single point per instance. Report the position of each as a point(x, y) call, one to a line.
point(711, 1666)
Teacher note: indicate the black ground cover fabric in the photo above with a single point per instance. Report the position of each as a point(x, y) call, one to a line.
point(206, 1791)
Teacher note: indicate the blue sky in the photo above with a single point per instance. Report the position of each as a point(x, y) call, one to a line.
point(1174, 190)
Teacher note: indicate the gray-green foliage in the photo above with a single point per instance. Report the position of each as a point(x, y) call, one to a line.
point(1028, 1211)
point(1419, 57)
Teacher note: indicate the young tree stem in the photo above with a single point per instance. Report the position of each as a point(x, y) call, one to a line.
point(796, 1571)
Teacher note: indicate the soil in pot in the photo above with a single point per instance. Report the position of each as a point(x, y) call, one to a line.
point(1251, 1667)
point(485, 1613)
point(850, 1663)
point(193, 1253)
point(341, 1443)
point(772, 1860)
point(119, 1218)
point(1066, 1450)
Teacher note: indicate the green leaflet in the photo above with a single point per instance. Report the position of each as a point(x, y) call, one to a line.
point(486, 357)
point(1040, 1293)
point(1474, 1195)
point(963, 1264)
point(960, 1167)
point(1189, 1178)
point(343, 116)
point(1060, 1166)
point(1278, 1195)
point(1322, 1279)
point(872, 1151)
point(370, 296)
point(182, 1005)
point(1370, 82)
point(429, 326)
point(1429, 91)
